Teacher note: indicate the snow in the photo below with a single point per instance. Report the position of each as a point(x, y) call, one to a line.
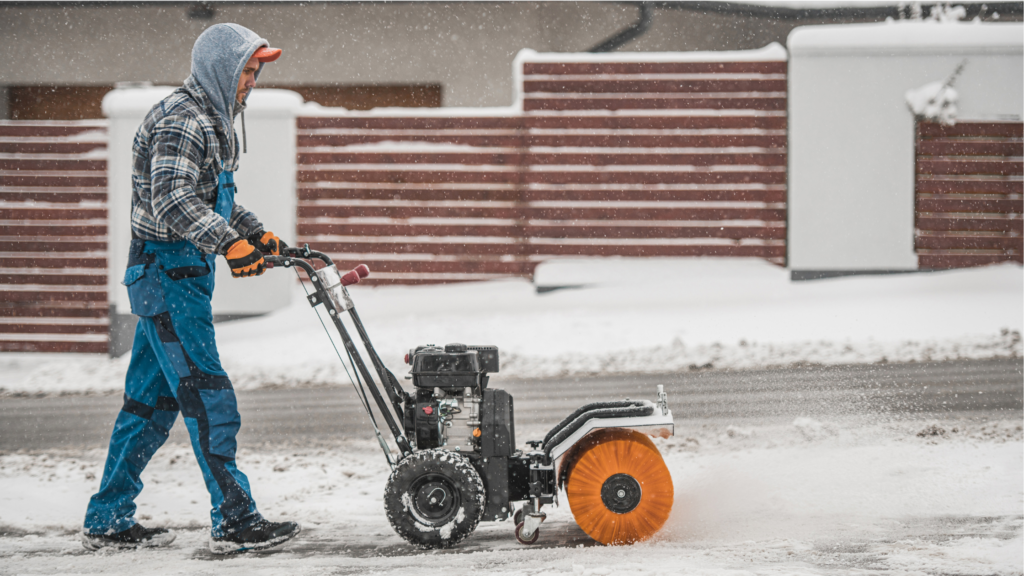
point(819, 4)
point(628, 316)
point(662, 112)
point(138, 100)
point(314, 109)
point(409, 146)
point(908, 36)
point(947, 14)
point(458, 112)
point(98, 123)
point(94, 154)
point(863, 498)
point(263, 100)
point(647, 168)
point(773, 52)
point(134, 101)
point(934, 101)
point(86, 136)
point(432, 167)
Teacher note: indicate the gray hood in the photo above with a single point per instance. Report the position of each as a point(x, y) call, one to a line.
point(218, 57)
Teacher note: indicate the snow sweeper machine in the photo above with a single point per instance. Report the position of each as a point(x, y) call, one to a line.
point(457, 463)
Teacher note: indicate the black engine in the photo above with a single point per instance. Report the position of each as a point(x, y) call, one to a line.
point(454, 409)
point(449, 388)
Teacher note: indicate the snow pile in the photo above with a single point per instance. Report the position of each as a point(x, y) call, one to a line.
point(862, 498)
point(947, 14)
point(652, 315)
point(934, 101)
point(772, 52)
point(315, 109)
point(898, 36)
point(132, 99)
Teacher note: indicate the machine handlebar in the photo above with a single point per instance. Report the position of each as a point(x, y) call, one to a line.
point(340, 302)
point(305, 253)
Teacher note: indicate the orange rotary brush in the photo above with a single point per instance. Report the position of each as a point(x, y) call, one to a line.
point(619, 489)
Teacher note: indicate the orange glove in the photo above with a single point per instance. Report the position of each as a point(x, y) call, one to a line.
point(268, 243)
point(245, 260)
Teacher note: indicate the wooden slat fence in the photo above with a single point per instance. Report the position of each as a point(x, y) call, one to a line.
point(53, 236)
point(607, 158)
point(970, 181)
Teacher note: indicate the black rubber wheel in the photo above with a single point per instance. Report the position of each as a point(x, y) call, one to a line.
point(517, 518)
point(434, 498)
point(526, 541)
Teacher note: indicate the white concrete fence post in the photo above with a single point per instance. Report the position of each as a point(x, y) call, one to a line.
point(851, 133)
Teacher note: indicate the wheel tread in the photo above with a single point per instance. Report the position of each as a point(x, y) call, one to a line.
point(397, 500)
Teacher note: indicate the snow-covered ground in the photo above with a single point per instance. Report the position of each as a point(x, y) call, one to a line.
point(631, 315)
point(865, 494)
point(810, 497)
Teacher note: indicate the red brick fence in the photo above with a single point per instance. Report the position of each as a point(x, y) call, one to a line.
point(970, 180)
point(53, 236)
point(614, 158)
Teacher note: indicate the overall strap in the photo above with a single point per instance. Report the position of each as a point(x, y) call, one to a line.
point(225, 194)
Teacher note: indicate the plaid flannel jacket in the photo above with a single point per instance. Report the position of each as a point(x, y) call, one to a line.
point(177, 155)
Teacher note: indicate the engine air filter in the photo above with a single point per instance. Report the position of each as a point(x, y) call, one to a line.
point(619, 489)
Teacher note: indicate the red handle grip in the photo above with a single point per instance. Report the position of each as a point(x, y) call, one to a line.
point(353, 276)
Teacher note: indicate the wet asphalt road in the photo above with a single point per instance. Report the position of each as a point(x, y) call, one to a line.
point(964, 389)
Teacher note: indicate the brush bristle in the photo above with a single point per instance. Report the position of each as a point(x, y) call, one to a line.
point(602, 454)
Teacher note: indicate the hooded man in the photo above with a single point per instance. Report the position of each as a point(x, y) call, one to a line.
point(183, 216)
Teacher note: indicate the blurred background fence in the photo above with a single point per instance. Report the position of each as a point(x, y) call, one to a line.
point(53, 236)
point(970, 179)
point(658, 158)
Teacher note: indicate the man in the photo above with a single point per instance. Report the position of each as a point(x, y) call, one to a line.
point(183, 216)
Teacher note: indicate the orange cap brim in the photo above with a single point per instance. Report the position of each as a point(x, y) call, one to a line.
point(267, 54)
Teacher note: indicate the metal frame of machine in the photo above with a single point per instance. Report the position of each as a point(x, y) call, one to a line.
point(457, 461)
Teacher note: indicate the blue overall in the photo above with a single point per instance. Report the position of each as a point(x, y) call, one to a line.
point(174, 366)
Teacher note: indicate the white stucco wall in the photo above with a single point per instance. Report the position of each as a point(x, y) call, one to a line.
point(467, 47)
point(851, 135)
point(265, 181)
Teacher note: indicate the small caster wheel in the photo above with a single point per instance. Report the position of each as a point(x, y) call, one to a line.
point(517, 518)
point(527, 541)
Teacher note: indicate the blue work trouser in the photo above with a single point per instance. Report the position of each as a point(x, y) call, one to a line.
point(174, 366)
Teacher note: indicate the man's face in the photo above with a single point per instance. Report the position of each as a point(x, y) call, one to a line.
point(248, 80)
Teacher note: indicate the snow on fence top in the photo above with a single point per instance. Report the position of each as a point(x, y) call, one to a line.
point(904, 36)
point(603, 154)
point(53, 227)
point(773, 52)
point(137, 101)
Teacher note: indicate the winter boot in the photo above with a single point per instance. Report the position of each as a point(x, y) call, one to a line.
point(134, 537)
point(260, 536)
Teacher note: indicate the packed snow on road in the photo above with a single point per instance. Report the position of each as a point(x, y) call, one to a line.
point(808, 497)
